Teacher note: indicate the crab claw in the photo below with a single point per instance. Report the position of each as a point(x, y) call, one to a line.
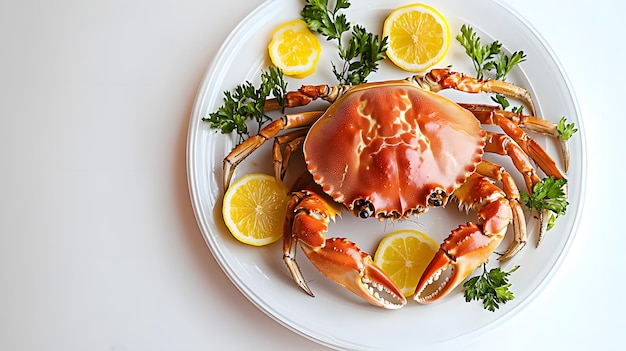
point(470, 245)
point(343, 262)
point(465, 249)
point(339, 259)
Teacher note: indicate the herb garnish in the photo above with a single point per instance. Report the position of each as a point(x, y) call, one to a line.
point(481, 55)
point(484, 56)
point(492, 287)
point(565, 130)
point(363, 51)
point(504, 103)
point(548, 194)
point(489, 57)
point(248, 102)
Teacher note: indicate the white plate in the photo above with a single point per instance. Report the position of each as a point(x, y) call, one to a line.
point(335, 317)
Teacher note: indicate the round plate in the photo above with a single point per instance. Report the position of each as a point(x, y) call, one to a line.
point(336, 317)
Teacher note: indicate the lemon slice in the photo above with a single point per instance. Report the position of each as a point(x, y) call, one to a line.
point(254, 209)
point(294, 49)
point(404, 255)
point(418, 36)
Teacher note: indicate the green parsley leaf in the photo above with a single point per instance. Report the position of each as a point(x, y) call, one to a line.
point(492, 287)
point(548, 194)
point(501, 100)
point(489, 58)
point(320, 18)
point(504, 103)
point(519, 109)
point(248, 102)
point(504, 64)
point(363, 50)
point(360, 57)
point(481, 55)
point(565, 130)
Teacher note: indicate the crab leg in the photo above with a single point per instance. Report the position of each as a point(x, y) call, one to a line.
point(498, 173)
point(532, 149)
point(308, 93)
point(489, 114)
point(339, 259)
point(292, 141)
point(243, 150)
point(470, 245)
point(529, 145)
point(528, 122)
point(503, 144)
point(443, 78)
point(305, 95)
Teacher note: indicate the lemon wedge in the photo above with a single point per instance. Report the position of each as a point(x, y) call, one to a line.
point(254, 209)
point(294, 49)
point(418, 36)
point(404, 255)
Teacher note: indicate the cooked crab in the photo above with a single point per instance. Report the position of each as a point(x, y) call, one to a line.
point(395, 149)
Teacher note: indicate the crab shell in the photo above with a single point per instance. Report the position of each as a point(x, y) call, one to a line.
point(393, 146)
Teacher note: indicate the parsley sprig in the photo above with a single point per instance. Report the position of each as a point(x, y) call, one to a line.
point(363, 50)
point(492, 287)
point(247, 102)
point(360, 57)
point(565, 130)
point(504, 103)
point(548, 194)
point(481, 55)
point(490, 58)
point(324, 20)
point(505, 63)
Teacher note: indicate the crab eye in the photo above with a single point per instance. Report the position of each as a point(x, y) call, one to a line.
point(364, 208)
point(436, 198)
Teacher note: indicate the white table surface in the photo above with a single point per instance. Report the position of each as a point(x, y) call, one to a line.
point(100, 248)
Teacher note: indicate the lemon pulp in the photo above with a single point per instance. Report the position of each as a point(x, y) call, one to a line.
point(418, 36)
point(404, 255)
point(294, 49)
point(254, 209)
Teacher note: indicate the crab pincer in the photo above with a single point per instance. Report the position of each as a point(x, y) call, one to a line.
point(339, 259)
point(471, 244)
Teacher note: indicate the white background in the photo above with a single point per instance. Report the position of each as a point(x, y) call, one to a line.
point(100, 249)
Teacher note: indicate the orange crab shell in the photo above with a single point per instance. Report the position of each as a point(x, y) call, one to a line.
point(393, 144)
